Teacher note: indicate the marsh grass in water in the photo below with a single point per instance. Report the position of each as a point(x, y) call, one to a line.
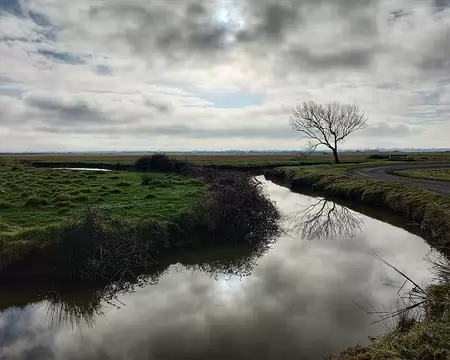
point(413, 334)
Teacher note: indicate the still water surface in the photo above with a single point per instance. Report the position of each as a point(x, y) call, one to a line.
point(298, 300)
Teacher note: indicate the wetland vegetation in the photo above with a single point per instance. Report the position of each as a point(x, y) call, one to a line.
point(87, 225)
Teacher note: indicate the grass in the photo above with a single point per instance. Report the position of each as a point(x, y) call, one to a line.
point(29, 200)
point(440, 174)
point(242, 160)
point(428, 208)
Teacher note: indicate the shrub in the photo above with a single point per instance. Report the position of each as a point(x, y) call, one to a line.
point(237, 210)
point(36, 201)
point(158, 162)
point(378, 157)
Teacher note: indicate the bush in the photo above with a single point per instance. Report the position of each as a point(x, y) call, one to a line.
point(96, 248)
point(237, 210)
point(158, 162)
point(378, 157)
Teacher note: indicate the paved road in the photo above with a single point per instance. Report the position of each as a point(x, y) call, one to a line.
point(385, 173)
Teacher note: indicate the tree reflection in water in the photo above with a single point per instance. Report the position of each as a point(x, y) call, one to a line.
point(79, 306)
point(324, 219)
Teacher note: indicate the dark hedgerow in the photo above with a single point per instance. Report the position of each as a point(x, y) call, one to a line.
point(159, 162)
point(237, 209)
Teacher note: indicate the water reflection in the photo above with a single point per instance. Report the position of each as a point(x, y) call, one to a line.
point(324, 219)
point(80, 305)
point(295, 301)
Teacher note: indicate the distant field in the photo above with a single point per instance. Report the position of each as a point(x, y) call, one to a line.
point(233, 160)
point(430, 174)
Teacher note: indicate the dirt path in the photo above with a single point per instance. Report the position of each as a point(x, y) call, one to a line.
point(385, 173)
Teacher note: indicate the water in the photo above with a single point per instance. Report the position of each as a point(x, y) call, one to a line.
point(82, 169)
point(298, 300)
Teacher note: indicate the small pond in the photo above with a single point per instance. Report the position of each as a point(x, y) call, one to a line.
point(81, 169)
point(300, 299)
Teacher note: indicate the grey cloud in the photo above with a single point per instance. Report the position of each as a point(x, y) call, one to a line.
point(74, 111)
point(351, 58)
point(178, 130)
point(159, 106)
point(191, 30)
point(436, 53)
point(386, 130)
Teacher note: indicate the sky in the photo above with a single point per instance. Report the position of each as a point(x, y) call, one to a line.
point(172, 75)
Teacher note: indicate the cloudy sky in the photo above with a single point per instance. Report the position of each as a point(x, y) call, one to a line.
point(219, 74)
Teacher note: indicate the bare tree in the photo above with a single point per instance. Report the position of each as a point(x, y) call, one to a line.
point(324, 218)
point(327, 124)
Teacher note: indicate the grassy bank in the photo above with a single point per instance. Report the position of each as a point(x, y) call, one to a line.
point(439, 174)
point(431, 210)
point(85, 224)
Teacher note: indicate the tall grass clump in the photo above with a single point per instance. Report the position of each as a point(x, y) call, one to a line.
point(36, 201)
point(4, 205)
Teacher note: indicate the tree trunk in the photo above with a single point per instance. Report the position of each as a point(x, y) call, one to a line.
point(336, 156)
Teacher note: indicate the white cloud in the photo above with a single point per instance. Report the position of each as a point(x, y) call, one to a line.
point(131, 75)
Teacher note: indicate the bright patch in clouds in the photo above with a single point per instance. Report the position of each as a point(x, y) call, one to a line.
point(135, 75)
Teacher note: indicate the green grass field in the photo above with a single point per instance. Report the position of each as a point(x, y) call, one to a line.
point(226, 160)
point(429, 174)
point(33, 197)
